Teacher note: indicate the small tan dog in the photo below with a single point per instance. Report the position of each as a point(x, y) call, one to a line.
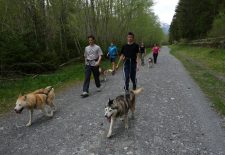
point(104, 72)
point(39, 99)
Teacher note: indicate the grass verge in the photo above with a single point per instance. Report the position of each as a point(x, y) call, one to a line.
point(65, 77)
point(207, 67)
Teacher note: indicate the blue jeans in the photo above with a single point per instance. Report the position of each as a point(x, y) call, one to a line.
point(130, 68)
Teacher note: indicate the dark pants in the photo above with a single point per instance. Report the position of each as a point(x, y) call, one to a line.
point(155, 56)
point(95, 71)
point(142, 59)
point(130, 73)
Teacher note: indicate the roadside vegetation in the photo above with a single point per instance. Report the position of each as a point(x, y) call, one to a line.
point(61, 79)
point(207, 67)
point(197, 20)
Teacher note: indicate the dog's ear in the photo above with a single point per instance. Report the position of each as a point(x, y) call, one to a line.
point(25, 97)
point(110, 102)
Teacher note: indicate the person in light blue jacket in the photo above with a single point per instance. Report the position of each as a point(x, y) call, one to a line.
point(112, 53)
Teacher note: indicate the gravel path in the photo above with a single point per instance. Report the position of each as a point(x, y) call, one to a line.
point(172, 116)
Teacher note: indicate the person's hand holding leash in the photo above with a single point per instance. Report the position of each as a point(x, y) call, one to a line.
point(120, 59)
point(117, 66)
point(97, 64)
point(99, 61)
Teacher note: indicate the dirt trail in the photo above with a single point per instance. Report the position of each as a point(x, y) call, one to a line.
point(172, 116)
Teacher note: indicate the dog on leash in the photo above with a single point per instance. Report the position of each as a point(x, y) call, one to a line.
point(150, 62)
point(103, 73)
point(120, 107)
point(39, 99)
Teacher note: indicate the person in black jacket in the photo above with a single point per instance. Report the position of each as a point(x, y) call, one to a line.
point(129, 54)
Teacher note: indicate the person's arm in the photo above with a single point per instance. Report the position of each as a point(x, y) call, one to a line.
point(137, 60)
point(99, 60)
point(153, 50)
point(117, 53)
point(120, 59)
point(108, 52)
point(100, 53)
point(85, 56)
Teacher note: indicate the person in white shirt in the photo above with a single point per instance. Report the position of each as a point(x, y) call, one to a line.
point(93, 55)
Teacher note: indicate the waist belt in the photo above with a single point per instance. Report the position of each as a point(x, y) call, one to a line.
point(93, 60)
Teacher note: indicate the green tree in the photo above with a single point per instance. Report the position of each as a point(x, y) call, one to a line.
point(38, 35)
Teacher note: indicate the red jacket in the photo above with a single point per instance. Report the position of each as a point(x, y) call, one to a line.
point(155, 50)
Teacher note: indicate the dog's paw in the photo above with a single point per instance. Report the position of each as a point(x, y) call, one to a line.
point(126, 126)
point(50, 115)
point(54, 109)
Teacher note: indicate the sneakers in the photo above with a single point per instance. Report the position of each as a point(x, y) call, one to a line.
point(127, 95)
point(84, 94)
point(134, 87)
point(113, 72)
point(127, 92)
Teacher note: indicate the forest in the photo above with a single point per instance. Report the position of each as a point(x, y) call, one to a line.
point(197, 20)
point(37, 36)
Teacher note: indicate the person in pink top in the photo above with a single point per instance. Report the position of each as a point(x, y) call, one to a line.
point(155, 52)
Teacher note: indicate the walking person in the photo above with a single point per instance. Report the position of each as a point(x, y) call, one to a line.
point(155, 51)
point(112, 53)
point(129, 55)
point(142, 54)
point(93, 55)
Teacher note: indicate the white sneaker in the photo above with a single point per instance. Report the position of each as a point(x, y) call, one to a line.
point(84, 94)
point(99, 89)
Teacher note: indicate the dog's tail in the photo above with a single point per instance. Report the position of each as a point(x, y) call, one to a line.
point(138, 91)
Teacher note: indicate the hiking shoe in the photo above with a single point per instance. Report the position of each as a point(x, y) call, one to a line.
point(84, 94)
point(113, 72)
point(134, 87)
point(127, 92)
point(99, 89)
